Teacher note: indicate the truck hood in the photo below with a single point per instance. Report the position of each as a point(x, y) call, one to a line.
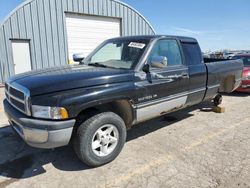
point(69, 77)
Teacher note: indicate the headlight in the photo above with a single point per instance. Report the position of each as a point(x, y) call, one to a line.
point(47, 112)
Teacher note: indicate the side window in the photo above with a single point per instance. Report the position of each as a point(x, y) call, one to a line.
point(168, 49)
point(192, 53)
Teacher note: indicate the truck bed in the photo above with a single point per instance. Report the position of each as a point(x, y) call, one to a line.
point(223, 75)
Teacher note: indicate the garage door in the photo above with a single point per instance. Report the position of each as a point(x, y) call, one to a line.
point(85, 32)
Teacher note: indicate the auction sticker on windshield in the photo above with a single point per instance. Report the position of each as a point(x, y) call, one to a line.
point(137, 45)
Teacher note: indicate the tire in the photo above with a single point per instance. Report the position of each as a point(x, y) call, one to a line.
point(217, 100)
point(93, 131)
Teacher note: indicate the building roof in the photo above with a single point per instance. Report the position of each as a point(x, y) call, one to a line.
point(118, 1)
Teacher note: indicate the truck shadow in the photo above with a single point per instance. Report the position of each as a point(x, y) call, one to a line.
point(19, 161)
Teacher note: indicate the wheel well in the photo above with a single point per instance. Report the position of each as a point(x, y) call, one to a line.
point(123, 108)
point(227, 84)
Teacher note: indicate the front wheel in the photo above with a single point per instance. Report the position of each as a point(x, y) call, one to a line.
point(100, 139)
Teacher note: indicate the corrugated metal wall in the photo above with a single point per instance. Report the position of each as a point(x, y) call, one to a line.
point(43, 23)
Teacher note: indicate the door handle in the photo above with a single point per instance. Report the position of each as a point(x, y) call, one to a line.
point(185, 75)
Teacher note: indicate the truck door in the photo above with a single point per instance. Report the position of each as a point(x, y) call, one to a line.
point(167, 86)
point(197, 72)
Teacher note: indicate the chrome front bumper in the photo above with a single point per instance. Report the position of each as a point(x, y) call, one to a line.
point(39, 133)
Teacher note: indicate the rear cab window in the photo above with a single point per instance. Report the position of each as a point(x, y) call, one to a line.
point(192, 53)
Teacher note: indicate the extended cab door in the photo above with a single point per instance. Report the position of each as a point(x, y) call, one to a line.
point(167, 87)
point(197, 72)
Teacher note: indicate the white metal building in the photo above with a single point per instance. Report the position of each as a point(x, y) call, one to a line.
point(45, 33)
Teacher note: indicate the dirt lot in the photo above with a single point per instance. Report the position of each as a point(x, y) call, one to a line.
point(189, 148)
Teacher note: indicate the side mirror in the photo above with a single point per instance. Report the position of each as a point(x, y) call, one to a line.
point(158, 62)
point(78, 57)
point(146, 68)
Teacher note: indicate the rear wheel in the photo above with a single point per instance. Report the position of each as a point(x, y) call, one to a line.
point(217, 100)
point(100, 139)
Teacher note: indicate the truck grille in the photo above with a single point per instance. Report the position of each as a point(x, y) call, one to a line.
point(18, 97)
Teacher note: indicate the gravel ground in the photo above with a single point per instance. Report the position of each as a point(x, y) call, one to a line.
point(194, 147)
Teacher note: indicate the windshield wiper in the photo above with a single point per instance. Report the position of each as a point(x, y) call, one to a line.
point(98, 65)
point(101, 65)
point(104, 66)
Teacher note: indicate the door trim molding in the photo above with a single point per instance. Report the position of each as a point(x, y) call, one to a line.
point(156, 110)
point(150, 103)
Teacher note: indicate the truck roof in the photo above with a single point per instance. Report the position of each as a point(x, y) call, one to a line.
point(138, 37)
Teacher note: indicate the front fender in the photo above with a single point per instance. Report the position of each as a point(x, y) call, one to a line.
point(79, 100)
point(74, 112)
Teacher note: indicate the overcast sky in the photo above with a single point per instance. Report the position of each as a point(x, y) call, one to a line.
point(217, 24)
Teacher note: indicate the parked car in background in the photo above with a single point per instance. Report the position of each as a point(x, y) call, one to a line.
point(228, 55)
point(245, 85)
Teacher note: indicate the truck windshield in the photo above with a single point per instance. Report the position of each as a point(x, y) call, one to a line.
point(118, 53)
point(246, 60)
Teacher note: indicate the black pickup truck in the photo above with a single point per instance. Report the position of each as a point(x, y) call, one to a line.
point(125, 81)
